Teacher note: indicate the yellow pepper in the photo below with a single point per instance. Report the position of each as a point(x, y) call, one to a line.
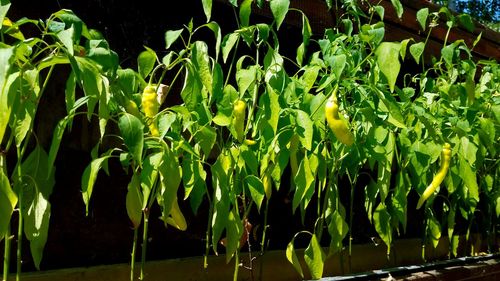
point(150, 107)
point(439, 177)
point(336, 122)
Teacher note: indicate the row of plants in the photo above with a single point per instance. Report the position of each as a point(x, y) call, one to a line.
point(225, 122)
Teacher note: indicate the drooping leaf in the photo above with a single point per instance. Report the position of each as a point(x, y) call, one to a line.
point(89, 178)
point(468, 175)
point(382, 221)
point(422, 15)
point(201, 62)
point(398, 7)
point(206, 137)
point(172, 35)
point(8, 201)
point(292, 257)
point(416, 50)
point(134, 201)
point(303, 181)
point(207, 8)
point(388, 61)
point(146, 62)
point(304, 129)
point(234, 231)
point(315, 258)
point(338, 229)
point(35, 195)
point(245, 11)
point(6, 96)
point(228, 43)
point(256, 189)
point(132, 131)
point(279, 9)
point(434, 230)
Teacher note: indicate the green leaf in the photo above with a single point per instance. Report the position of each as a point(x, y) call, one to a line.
point(245, 10)
point(382, 220)
point(7, 97)
point(69, 92)
point(91, 81)
point(194, 181)
point(149, 174)
point(306, 35)
point(171, 177)
point(8, 201)
point(191, 91)
point(338, 65)
point(315, 258)
point(218, 37)
point(89, 177)
point(245, 78)
point(24, 109)
point(380, 11)
point(35, 205)
point(434, 230)
point(304, 128)
point(402, 51)
point(468, 149)
point(207, 8)
point(201, 61)
point(146, 62)
point(416, 50)
point(447, 53)
point(303, 181)
point(134, 201)
point(221, 170)
point(422, 15)
point(272, 108)
point(291, 255)
point(172, 35)
point(469, 178)
point(256, 189)
point(132, 131)
point(56, 141)
point(100, 52)
point(234, 231)
point(4, 8)
point(206, 137)
point(309, 77)
point(66, 38)
point(36, 226)
point(279, 9)
point(338, 229)
point(228, 43)
point(398, 7)
point(466, 21)
point(388, 61)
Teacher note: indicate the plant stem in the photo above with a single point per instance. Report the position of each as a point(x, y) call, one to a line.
point(236, 264)
point(6, 254)
point(20, 212)
point(132, 260)
point(19, 237)
point(144, 242)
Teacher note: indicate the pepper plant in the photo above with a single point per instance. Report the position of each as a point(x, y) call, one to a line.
point(226, 122)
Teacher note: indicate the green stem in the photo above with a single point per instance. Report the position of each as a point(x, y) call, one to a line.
point(19, 236)
point(144, 242)
point(263, 241)
point(20, 212)
point(6, 254)
point(132, 260)
point(236, 265)
point(207, 237)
